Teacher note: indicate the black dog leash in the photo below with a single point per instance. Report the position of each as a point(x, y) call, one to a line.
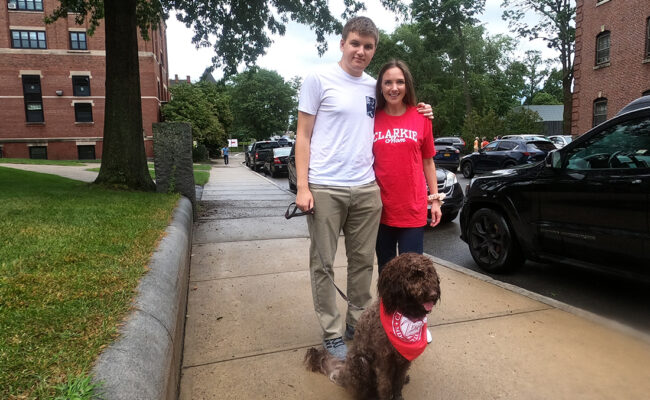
point(296, 213)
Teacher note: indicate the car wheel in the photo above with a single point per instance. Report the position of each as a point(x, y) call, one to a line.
point(492, 243)
point(273, 172)
point(467, 170)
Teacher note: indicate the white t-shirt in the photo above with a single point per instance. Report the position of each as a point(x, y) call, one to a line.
point(341, 142)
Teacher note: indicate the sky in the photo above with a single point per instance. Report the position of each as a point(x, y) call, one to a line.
point(295, 53)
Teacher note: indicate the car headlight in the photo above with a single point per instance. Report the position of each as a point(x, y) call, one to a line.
point(450, 179)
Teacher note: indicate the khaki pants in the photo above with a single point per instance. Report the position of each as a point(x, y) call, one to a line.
point(357, 211)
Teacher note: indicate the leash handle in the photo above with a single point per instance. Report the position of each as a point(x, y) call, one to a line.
point(295, 212)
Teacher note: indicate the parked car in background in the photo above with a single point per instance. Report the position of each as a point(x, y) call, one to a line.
point(585, 205)
point(447, 156)
point(451, 205)
point(277, 163)
point(455, 141)
point(525, 137)
point(260, 152)
point(284, 142)
point(560, 140)
point(505, 153)
point(291, 169)
point(247, 153)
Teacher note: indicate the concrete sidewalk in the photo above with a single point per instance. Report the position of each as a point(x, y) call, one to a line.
point(250, 319)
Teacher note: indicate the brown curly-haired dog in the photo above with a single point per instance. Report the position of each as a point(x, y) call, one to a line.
point(373, 367)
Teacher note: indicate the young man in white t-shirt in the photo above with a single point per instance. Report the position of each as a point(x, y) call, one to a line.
point(335, 177)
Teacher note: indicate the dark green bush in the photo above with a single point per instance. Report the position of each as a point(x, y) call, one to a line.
point(200, 153)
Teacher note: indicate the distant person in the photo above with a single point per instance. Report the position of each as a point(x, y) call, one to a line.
point(484, 142)
point(476, 144)
point(225, 152)
point(336, 180)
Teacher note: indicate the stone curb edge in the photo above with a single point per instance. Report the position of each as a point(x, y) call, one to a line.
point(547, 300)
point(144, 363)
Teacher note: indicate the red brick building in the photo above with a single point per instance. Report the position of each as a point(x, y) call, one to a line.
point(52, 79)
point(612, 62)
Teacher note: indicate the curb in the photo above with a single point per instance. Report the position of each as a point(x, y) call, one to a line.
point(144, 363)
point(609, 323)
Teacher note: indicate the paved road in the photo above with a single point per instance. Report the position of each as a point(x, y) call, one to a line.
point(615, 298)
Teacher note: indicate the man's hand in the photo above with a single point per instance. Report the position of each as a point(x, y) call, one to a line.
point(426, 110)
point(304, 200)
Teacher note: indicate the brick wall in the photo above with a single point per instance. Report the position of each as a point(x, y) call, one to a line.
point(55, 65)
point(627, 74)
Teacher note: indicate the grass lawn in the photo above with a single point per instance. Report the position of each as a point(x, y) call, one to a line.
point(43, 162)
point(201, 173)
point(71, 256)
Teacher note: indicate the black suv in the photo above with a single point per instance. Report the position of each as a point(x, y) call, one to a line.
point(455, 141)
point(585, 205)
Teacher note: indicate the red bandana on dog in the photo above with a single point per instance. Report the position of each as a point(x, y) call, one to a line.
point(408, 337)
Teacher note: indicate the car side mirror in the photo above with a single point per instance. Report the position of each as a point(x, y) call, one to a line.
point(553, 159)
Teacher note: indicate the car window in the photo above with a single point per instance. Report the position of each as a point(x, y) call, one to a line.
point(623, 146)
point(443, 143)
point(541, 145)
point(490, 147)
point(281, 151)
point(507, 145)
point(268, 145)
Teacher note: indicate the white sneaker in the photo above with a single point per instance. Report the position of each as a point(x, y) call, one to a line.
point(429, 338)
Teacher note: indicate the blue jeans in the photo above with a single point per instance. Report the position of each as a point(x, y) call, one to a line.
point(391, 239)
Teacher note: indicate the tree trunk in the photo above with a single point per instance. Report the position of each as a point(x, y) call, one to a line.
point(568, 103)
point(124, 162)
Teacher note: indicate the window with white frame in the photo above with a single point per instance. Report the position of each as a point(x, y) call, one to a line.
point(602, 48)
point(600, 111)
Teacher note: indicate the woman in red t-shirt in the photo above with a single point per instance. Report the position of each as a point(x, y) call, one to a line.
point(403, 150)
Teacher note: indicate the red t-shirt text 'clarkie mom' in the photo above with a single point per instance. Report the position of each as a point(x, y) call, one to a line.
point(400, 145)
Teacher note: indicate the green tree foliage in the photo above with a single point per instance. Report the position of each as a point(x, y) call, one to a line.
point(534, 76)
point(487, 125)
point(448, 21)
point(543, 98)
point(206, 107)
point(556, 27)
point(553, 85)
point(496, 81)
point(296, 84)
point(522, 121)
point(261, 103)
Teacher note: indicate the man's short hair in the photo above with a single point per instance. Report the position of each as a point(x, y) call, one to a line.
point(363, 26)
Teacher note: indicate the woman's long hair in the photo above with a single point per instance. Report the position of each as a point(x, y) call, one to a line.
point(409, 96)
